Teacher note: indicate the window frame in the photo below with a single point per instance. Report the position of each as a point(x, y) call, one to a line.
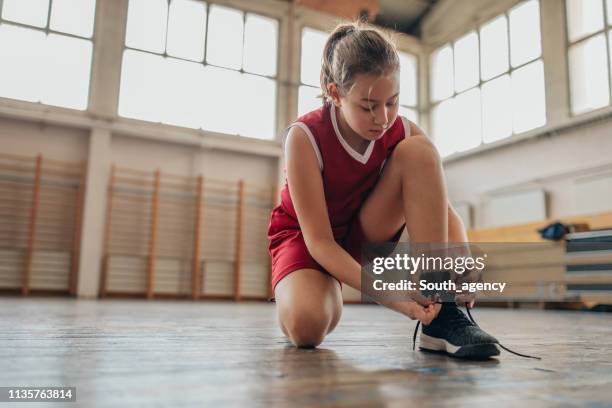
point(204, 63)
point(47, 30)
point(606, 31)
point(477, 29)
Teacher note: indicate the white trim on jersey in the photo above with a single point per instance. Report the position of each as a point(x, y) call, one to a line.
point(361, 158)
point(313, 142)
point(406, 123)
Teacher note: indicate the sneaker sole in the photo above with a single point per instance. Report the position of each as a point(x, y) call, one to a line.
point(472, 351)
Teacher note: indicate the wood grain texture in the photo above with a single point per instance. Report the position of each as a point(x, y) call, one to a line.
point(181, 354)
point(27, 272)
point(107, 232)
point(153, 235)
point(239, 240)
point(196, 282)
point(76, 246)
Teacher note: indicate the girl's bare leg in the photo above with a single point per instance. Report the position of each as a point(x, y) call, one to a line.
point(411, 190)
point(309, 306)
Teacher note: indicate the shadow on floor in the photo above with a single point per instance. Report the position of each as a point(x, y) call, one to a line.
point(320, 377)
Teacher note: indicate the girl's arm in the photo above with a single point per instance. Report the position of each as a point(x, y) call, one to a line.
point(307, 194)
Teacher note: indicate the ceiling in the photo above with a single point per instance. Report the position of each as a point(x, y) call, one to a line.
point(403, 15)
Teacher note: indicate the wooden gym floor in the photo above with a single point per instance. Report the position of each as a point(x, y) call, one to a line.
point(123, 353)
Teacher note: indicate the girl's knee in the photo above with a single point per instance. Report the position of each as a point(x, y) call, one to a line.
point(417, 151)
point(309, 304)
point(307, 328)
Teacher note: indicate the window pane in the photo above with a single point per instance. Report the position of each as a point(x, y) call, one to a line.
point(442, 73)
point(142, 77)
point(584, 17)
point(609, 8)
point(466, 62)
point(410, 114)
point(219, 106)
point(73, 16)
point(496, 109)
point(469, 114)
point(313, 42)
point(146, 25)
point(444, 129)
point(257, 107)
point(307, 99)
point(260, 45)
point(30, 12)
point(494, 48)
point(528, 100)
point(21, 59)
point(589, 74)
point(68, 62)
point(183, 91)
point(525, 41)
point(225, 30)
point(408, 82)
point(187, 29)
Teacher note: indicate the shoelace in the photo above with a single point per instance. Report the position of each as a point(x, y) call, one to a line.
point(467, 309)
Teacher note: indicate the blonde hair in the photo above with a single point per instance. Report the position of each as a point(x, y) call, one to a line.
point(356, 48)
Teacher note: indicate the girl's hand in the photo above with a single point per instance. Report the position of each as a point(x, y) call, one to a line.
point(424, 314)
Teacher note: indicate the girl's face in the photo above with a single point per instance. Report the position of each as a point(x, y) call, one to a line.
point(371, 106)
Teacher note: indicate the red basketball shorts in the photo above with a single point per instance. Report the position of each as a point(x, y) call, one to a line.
point(289, 252)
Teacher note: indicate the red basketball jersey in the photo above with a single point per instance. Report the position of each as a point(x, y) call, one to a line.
point(348, 176)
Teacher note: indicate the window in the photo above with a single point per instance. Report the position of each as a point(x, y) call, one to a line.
point(494, 44)
point(198, 65)
point(313, 42)
point(466, 62)
point(489, 84)
point(589, 54)
point(442, 74)
point(46, 51)
point(408, 99)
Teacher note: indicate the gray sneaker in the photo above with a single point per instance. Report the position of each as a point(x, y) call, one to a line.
point(451, 332)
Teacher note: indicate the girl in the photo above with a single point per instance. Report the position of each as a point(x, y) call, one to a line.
point(356, 172)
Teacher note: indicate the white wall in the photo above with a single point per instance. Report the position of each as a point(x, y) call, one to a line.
point(184, 160)
point(235, 166)
point(53, 142)
point(149, 155)
point(553, 164)
point(26, 138)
